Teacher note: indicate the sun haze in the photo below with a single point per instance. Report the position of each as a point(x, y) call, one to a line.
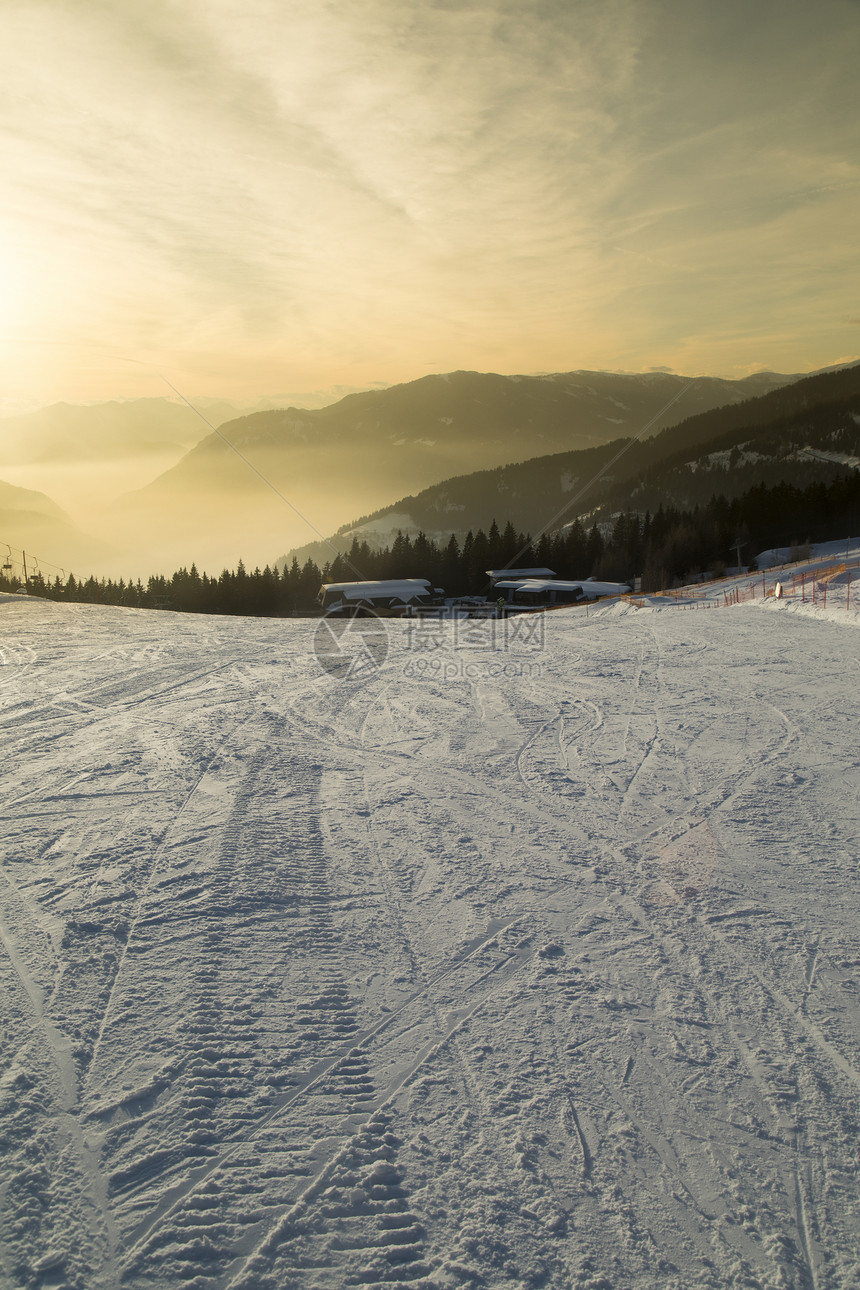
point(260, 197)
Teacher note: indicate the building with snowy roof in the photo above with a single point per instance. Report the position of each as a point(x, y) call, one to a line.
point(392, 595)
point(499, 575)
point(545, 592)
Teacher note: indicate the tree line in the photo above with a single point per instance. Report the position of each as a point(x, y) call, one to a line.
point(666, 549)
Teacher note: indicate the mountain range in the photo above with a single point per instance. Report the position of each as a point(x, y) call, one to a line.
point(457, 449)
point(798, 433)
point(70, 432)
point(31, 522)
point(259, 483)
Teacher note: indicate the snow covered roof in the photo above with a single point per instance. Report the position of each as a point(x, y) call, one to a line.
point(589, 587)
point(392, 588)
point(540, 584)
point(593, 588)
point(497, 574)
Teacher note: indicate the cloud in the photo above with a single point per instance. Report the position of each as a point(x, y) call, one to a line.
point(373, 187)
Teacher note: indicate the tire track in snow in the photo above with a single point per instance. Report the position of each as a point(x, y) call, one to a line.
point(807, 1242)
point(774, 1095)
point(813, 957)
point(104, 695)
point(437, 1027)
point(780, 1098)
point(58, 1044)
point(19, 658)
point(353, 1062)
point(775, 1089)
point(795, 1013)
point(476, 1096)
point(639, 839)
point(343, 1077)
point(66, 1056)
point(726, 790)
point(65, 1120)
point(70, 1063)
point(262, 905)
point(157, 859)
point(314, 1204)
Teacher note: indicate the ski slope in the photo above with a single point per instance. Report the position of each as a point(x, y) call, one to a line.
point(496, 964)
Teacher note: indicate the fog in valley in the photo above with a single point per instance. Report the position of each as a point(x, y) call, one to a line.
point(129, 488)
point(89, 489)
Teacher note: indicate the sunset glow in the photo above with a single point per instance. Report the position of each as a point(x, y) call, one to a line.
point(265, 198)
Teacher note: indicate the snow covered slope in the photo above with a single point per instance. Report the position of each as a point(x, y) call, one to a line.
point(484, 965)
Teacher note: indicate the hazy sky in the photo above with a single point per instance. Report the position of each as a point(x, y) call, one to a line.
point(254, 196)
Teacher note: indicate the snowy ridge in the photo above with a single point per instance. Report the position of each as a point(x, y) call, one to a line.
point(435, 977)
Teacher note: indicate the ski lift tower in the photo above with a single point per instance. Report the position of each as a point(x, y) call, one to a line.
point(736, 547)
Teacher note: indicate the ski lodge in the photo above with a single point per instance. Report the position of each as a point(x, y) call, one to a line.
point(390, 597)
point(531, 592)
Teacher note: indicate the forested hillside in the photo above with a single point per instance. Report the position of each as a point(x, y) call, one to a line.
point(664, 549)
point(801, 434)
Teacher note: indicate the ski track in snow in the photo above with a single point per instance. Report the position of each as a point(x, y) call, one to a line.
point(540, 981)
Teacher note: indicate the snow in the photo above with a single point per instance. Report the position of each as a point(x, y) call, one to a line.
point(838, 458)
point(539, 584)
point(819, 553)
point(383, 530)
point(404, 588)
point(431, 977)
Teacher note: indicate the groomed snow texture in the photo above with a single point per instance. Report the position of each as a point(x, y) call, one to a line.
point(538, 971)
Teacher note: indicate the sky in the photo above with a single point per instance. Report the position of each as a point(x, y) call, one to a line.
point(255, 196)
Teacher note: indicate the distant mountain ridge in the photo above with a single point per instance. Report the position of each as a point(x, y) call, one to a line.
point(799, 433)
point(312, 469)
point(30, 521)
point(355, 455)
point(463, 415)
point(72, 432)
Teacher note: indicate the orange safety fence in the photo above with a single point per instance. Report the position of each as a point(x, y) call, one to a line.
point(808, 585)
